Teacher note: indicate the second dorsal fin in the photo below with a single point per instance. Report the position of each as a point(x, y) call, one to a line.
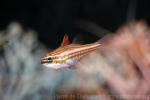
point(65, 40)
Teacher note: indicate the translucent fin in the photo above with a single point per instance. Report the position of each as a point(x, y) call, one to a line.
point(78, 39)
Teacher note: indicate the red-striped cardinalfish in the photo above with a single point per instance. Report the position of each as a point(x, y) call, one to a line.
point(67, 55)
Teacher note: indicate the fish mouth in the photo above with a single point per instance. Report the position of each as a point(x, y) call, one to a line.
point(43, 61)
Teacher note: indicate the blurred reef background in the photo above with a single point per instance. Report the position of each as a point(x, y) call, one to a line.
point(120, 68)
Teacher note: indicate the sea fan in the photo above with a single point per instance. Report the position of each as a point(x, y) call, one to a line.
point(22, 76)
point(119, 69)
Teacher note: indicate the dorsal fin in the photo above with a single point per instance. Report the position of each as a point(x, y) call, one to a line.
point(65, 40)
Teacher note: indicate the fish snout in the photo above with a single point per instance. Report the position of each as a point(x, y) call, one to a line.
point(43, 60)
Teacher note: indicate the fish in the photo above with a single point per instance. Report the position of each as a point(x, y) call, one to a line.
point(67, 55)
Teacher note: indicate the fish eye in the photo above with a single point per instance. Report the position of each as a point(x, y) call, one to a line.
point(49, 59)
